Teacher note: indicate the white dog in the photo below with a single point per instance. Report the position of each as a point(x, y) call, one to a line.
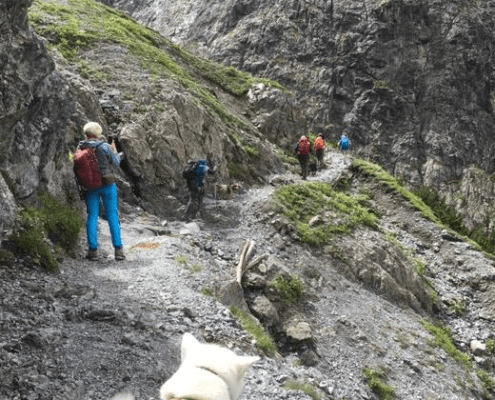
point(207, 372)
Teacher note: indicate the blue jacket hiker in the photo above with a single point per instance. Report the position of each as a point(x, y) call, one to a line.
point(107, 159)
point(344, 142)
point(194, 173)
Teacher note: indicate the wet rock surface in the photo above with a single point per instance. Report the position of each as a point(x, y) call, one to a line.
point(96, 328)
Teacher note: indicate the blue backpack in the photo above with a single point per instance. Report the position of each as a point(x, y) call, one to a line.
point(201, 171)
point(344, 142)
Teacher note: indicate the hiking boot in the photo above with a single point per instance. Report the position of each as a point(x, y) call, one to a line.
point(92, 255)
point(119, 254)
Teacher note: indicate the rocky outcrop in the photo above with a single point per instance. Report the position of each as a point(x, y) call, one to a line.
point(38, 117)
point(158, 124)
point(414, 81)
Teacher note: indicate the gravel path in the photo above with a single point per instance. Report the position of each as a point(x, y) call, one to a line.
point(97, 328)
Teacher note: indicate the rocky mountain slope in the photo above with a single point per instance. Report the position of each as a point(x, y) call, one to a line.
point(98, 328)
point(398, 304)
point(414, 80)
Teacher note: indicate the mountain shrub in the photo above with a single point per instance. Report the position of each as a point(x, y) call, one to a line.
point(49, 220)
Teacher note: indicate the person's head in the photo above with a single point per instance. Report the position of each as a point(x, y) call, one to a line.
point(93, 130)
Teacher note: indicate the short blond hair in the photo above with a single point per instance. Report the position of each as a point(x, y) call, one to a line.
point(93, 129)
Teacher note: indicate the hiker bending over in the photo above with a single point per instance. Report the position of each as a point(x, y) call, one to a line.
point(194, 173)
point(303, 150)
point(93, 164)
point(320, 150)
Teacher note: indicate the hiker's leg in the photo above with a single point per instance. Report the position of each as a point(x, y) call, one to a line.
point(201, 195)
point(93, 212)
point(111, 203)
point(191, 204)
point(304, 165)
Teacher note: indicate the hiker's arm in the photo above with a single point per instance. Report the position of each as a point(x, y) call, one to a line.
point(111, 153)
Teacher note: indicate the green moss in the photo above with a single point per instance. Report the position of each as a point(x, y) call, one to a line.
point(442, 337)
point(263, 339)
point(384, 391)
point(253, 152)
point(51, 219)
point(300, 203)
point(486, 380)
point(383, 176)
point(305, 387)
point(181, 260)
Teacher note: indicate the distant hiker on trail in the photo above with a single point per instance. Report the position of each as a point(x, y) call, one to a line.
point(93, 164)
point(320, 150)
point(303, 150)
point(344, 141)
point(194, 173)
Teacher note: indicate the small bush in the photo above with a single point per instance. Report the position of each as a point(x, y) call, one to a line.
point(490, 346)
point(384, 391)
point(486, 380)
point(291, 288)
point(53, 220)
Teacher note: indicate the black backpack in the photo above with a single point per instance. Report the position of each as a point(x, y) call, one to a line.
point(190, 169)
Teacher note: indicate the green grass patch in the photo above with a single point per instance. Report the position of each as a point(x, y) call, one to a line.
point(486, 380)
point(263, 338)
point(447, 214)
point(49, 219)
point(442, 337)
point(252, 152)
point(458, 307)
point(287, 156)
point(383, 176)
point(208, 292)
point(490, 346)
point(300, 203)
point(290, 288)
point(182, 260)
point(307, 388)
point(76, 25)
point(375, 382)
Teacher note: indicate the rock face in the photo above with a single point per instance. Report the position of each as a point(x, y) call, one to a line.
point(414, 81)
point(45, 101)
point(36, 111)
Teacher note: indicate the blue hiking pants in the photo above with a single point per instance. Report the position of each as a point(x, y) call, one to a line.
point(110, 198)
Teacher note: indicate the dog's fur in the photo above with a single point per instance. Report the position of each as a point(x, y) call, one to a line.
point(207, 372)
point(312, 169)
point(225, 192)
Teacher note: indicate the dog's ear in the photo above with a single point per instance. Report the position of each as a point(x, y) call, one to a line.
point(244, 363)
point(189, 342)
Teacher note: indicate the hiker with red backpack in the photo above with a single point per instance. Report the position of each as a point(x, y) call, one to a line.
point(303, 150)
point(93, 165)
point(319, 150)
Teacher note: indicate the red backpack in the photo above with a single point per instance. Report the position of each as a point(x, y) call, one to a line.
point(304, 146)
point(86, 168)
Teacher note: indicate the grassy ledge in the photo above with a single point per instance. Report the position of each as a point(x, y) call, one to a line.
point(76, 25)
point(339, 212)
